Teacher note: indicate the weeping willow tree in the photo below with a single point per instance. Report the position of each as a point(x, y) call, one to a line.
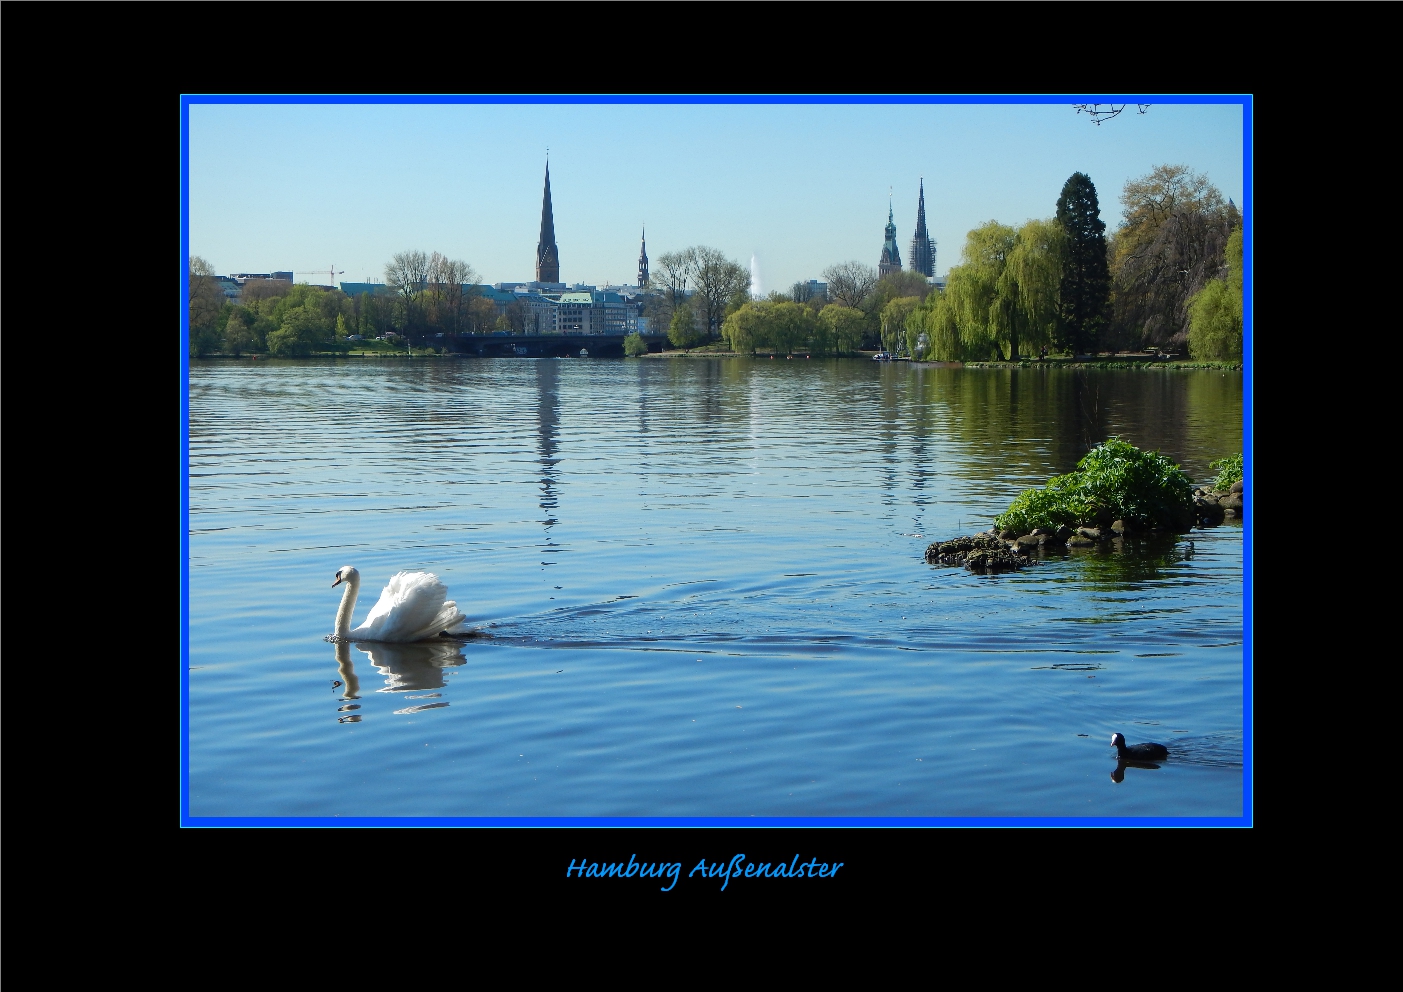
point(973, 287)
point(894, 316)
point(932, 333)
point(781, 326)
point(1215, 311)
point(1030, 281)
point(1002, 297)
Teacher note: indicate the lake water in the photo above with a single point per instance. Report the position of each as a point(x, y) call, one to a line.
point(704, 589)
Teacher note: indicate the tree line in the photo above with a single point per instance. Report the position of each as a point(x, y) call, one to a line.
point(429, 294)
point(699, 296)
point(1167, 278)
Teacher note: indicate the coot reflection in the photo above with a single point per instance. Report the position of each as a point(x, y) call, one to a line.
point(1135, 756)
point(1119, 774)
point(413, 666)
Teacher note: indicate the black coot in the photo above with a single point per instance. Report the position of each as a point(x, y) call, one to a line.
point(1138, 752)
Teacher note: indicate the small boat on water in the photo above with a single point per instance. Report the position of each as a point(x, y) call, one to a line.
point(584, 352)
point(882, 356)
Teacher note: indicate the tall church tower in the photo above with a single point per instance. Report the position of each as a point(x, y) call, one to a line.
point(643, 260)
point(922, 245)
point(891, 254)
point(547, 255)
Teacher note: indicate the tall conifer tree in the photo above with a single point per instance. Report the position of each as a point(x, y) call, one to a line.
point(1085, 288)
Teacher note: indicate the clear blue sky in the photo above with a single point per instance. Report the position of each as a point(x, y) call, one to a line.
point(799, 186)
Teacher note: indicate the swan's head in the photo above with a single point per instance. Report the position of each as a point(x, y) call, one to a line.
point(346, 573)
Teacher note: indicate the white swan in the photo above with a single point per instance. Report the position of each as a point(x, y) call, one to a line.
point(413, 607)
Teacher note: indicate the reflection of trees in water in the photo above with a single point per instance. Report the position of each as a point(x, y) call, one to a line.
point(895, 398)
point(1116, 566)
point(1047, 419)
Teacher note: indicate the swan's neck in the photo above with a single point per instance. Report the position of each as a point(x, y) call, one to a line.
point(348, 605)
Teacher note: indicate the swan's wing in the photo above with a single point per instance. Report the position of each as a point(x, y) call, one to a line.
point(408, 605)
point(448, 618)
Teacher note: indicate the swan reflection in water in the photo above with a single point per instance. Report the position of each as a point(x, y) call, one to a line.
point(415, 666)
point(349, 683)
point(407, 667)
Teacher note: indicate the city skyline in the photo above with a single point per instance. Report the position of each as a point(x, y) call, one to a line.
point(303, 186)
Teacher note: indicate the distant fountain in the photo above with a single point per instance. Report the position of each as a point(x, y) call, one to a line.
point(755, 293)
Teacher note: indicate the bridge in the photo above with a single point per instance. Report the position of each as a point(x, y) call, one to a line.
point(543, 345)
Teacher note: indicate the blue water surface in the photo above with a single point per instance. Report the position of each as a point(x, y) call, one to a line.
point(701, 589)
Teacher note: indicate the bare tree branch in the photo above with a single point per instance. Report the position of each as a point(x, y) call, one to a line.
point(1101, 112)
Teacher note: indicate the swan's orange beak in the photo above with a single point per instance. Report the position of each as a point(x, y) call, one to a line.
point(337, 582)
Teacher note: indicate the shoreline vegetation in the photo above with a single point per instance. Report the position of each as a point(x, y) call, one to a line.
point(1168, 282)
point(1117, 492)
point(1080, 363)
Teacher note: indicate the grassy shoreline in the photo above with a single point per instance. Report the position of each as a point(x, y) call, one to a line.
point(1126, 362)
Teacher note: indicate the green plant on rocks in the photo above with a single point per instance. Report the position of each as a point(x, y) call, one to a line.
point(1229, 471)
point(1115, 481)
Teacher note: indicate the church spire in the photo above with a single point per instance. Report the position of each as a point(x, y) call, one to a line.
point(547, 255)
point(643, 259)
point(922, 245)
point(891, 254)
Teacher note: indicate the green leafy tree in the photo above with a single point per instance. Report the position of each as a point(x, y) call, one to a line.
point(634, 345)
point(897, 285)
point(791, 326)
point(1085, 288)
point(206, 308)
point(936, 323)
point(981, 310)
point(683, 331)
point(1031, 281)
point(846, 326)
point(854, 285)
point(779, 324)
point(303, 330)
point(741, 328)
point(894, 316)
point(238, 332)
point(1215, 328)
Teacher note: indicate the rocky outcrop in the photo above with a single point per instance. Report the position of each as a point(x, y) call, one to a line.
point(997, 550)
point(1213, 506)
point(985, 553)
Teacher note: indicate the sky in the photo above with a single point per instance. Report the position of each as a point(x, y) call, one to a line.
point(798, 187)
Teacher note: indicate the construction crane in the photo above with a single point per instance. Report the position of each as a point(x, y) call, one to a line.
point(334, 272)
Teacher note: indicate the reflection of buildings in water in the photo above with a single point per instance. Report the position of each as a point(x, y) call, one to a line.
point(413, 666)
point(548, 432)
